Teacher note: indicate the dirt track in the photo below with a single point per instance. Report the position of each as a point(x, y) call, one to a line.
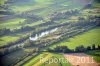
point(80, 59)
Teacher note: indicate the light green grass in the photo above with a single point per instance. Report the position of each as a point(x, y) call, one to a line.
point(6, 39)
point(35, 23)
point(48, 63)
point(64, 62)
point(47, 5)
point(36, 60)
point(2, 2)
point(47, 56)
point(60, 60)
point(52, 64)
point(17, 23)
point(12, 37)
point(86, 39)
point(12, 23)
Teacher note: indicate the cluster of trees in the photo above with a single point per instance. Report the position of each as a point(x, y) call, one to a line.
point(4, 51)
point(63, 15)
point(14, 1)
point(64, 49)
point(30, 21)
point(6, 12)
point(18, 41)
point(97, 1)
point(7, 50)
point(24, 29)
point(29, 15)
point(81, 48)
point(4, 31)
point(88, 48)
point(89, 5)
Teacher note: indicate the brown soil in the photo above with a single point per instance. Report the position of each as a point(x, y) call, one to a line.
point(80, 59)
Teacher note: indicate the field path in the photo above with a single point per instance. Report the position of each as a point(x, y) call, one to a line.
point(80, 59)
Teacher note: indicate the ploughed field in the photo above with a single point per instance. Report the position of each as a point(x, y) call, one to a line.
point(80, 59)
point(75, 25)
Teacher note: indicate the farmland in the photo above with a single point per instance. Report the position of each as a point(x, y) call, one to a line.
point(46, 58)
point(82, 39)
point(48, 29)
point(75, 59)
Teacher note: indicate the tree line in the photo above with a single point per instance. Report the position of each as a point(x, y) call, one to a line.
point(81, 48)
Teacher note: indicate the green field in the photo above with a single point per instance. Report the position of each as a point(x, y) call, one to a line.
point(61, 56)
point(12, 23)
point(85, 39)
point(46, 60)
point(44, 7)
point(7, 39)
point(12, 37)
point(36, 60)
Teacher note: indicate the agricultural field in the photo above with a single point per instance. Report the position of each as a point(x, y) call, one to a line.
point(36, 32)
point(12, 23)
point(35, 60)
point(80, 59)
point(46, 60)
point(82, 39)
